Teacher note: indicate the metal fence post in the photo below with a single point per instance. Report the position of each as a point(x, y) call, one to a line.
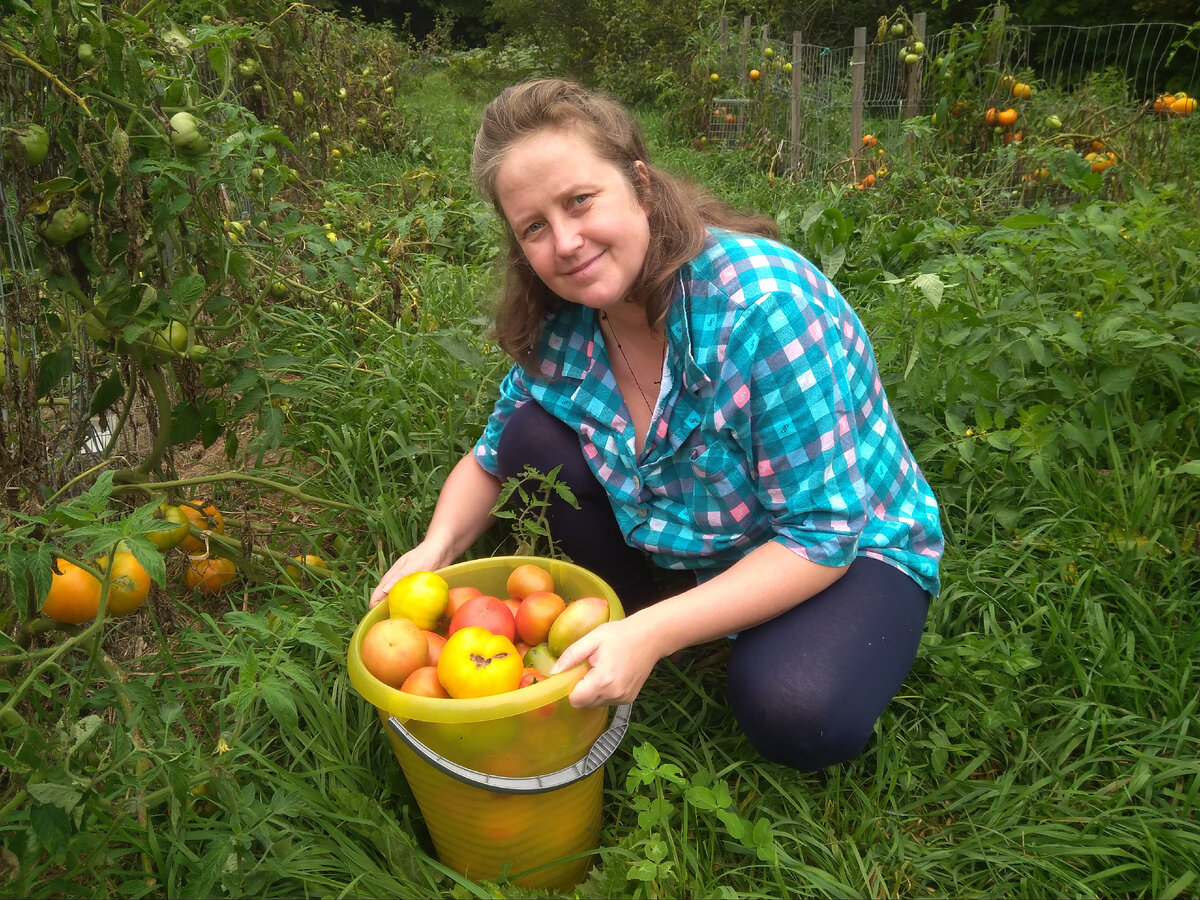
point(858, 65)
point(797, 104)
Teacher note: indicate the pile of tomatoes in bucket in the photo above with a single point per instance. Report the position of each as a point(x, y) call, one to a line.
point(460, 643)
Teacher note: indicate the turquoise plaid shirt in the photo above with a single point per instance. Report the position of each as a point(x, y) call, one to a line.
point(772, 423)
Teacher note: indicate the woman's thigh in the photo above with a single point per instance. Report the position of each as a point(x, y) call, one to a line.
point(586, 531)
point(808, 686)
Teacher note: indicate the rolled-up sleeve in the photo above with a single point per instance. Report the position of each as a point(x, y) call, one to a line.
point(514, 392)
point(812, 413)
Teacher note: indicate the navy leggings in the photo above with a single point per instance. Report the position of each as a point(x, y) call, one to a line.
point(806, 687)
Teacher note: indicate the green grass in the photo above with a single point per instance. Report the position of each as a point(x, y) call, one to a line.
point(1044, 744)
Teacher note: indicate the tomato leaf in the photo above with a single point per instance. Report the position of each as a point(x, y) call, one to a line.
point(278, 697)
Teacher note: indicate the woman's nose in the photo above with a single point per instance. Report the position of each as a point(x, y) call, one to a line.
point(567, 238)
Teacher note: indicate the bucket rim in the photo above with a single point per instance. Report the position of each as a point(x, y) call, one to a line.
point(404, 706)
point(591, 762)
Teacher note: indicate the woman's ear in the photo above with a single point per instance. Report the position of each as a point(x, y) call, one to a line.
point(642, 173)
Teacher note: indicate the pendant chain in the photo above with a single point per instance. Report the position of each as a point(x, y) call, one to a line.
point(628, 365)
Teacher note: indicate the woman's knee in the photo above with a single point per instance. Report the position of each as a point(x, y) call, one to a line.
point(809, 732)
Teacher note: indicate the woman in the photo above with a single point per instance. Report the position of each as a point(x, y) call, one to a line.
point(715, 406)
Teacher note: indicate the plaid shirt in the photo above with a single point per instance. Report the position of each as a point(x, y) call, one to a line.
point(772, 423)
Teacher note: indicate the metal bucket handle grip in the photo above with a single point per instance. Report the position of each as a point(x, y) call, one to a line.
point(604, 747)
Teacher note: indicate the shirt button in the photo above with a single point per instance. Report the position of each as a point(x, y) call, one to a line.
point(637, 482)
point(643, 512)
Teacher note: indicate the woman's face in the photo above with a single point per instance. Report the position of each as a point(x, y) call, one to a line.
point(575, 215)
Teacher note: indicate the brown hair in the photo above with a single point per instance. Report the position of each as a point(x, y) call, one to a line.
point(679, 212)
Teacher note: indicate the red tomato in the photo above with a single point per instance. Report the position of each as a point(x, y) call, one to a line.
point(485, 612)
point(513, 606)
point(536, 614)
point(477, 663)
point(530, 675)
point(436, 643)
point(424, 681)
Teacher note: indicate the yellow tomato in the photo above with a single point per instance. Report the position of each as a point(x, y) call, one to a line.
point(420, 596)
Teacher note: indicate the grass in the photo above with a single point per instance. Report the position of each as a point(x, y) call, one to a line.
point(1044, 744)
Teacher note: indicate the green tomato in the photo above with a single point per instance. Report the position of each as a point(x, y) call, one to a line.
point(66, 224)
point(11, 357)
point(186, 136)
point(26, 146)
point(86, 54)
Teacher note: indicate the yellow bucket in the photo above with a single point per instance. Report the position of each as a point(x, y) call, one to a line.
point(508, 785)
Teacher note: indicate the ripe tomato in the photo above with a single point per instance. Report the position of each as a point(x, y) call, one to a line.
point(436, 643)
point(129, 584)
point(513, 606)
point(170, 537)
point(530, 675)
point(392, 649)
point(424, 681)
point(458, 596)
point(207, 519)
point(579, 618)
point(536, 614)
point(209, 574)
point(527, 578)
point(485, 612)
point(420, 596)
point(477, 663)
point(74, 594)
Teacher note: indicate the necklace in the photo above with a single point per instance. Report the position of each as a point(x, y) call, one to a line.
point(628, 365)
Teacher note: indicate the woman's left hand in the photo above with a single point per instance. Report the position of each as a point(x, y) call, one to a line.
point(621, 655)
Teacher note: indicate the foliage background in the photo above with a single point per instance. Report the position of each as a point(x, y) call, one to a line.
point(1043, 356)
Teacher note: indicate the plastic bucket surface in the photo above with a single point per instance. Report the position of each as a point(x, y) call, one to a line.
point(539, 840)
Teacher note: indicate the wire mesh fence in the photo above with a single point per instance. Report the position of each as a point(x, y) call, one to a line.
point(833, 97)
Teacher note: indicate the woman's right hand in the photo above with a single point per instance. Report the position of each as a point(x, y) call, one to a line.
point(424, 557)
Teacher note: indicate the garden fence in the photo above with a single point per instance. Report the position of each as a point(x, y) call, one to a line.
point(813, 102)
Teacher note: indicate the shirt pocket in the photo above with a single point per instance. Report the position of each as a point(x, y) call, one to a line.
point(722, 494)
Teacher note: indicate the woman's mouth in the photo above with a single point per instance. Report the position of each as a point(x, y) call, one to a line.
point(585, 267)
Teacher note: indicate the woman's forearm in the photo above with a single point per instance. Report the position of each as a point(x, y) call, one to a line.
point(768, 581)
point(464, 508)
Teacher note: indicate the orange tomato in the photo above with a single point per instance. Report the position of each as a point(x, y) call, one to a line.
point(74, 594)
point(1006, 116)
point(392, 649)
point(207, 519)
point(990, 115)
point(129, 583)
point(424, 682)
point(209, 574)
point(536, 614)
point(527, 578)
point(436, 643)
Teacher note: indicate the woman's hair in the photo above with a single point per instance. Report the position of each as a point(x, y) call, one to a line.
point(679, 212)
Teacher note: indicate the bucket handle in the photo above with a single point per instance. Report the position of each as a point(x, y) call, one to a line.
point(604, 747)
